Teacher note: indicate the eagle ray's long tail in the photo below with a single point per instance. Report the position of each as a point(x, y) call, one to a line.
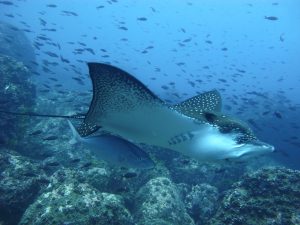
point(33, 114)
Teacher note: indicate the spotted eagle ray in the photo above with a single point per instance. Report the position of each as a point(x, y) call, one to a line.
point(125, 107)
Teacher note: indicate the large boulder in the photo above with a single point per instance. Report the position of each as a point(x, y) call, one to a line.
point(201, 202)
point(17, 94)
point(221, 175)
point(158, 202)
point(20, 182)
point(69, 200)
point(269, 196)
point(14, 43)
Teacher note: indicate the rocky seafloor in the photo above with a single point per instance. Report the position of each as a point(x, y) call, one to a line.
point(99, 194)
point(47, 181)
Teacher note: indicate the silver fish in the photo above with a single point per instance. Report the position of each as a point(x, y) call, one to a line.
point(114, 150)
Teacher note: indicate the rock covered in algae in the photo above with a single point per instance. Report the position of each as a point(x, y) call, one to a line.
point(158, 202)
point(17, 93)
point(14, 43)
point(220, 175)
point(201, 202)
point(269, 196)
point(93, 176)
point(20, 182)
point(70, 201)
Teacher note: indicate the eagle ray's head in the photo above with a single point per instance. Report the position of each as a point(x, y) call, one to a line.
point(228, 138)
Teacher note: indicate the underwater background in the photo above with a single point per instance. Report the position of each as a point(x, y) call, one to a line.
point(248, 50)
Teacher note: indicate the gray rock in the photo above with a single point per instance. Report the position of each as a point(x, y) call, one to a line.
point(14, 43)
point(220, 175)
point(69, 201)
point(20, 182)
point(158, 202)
point(269, 196)
point(201, 202)
point(17, 92)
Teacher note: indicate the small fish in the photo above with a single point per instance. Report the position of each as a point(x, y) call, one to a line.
point(180, 64)
point(241, 71)
point(49, 29)
point(69, 13)
point(44, 90)
point(37, 132)
point(43, 38)
point(42, 22)
point(142, 18)
point(90, 50)
point(51, 6)
point(123, 28)
point(6, 3)
point(187, 40)
point(281, 38)
point(79, 81)
point(51, 54)
point(86, 165)
point(271, 18)
point(222, 80)
point(27, 30)
point(52, 164)
point(129, 175)
point(278, 115)
point(50, 138)
point(64, 60)
point(153, 9)
point(265, 113)
point(53, 79)
point(10, 15)
point(30, 174)
point(46, 86)
point(82, 44)
point(221, 170)
point(75, 160)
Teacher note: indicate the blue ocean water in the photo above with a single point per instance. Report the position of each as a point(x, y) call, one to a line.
point(247, 50)
point(233, 47)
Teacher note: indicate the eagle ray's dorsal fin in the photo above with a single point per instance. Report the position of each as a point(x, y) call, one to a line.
point(195, 106)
